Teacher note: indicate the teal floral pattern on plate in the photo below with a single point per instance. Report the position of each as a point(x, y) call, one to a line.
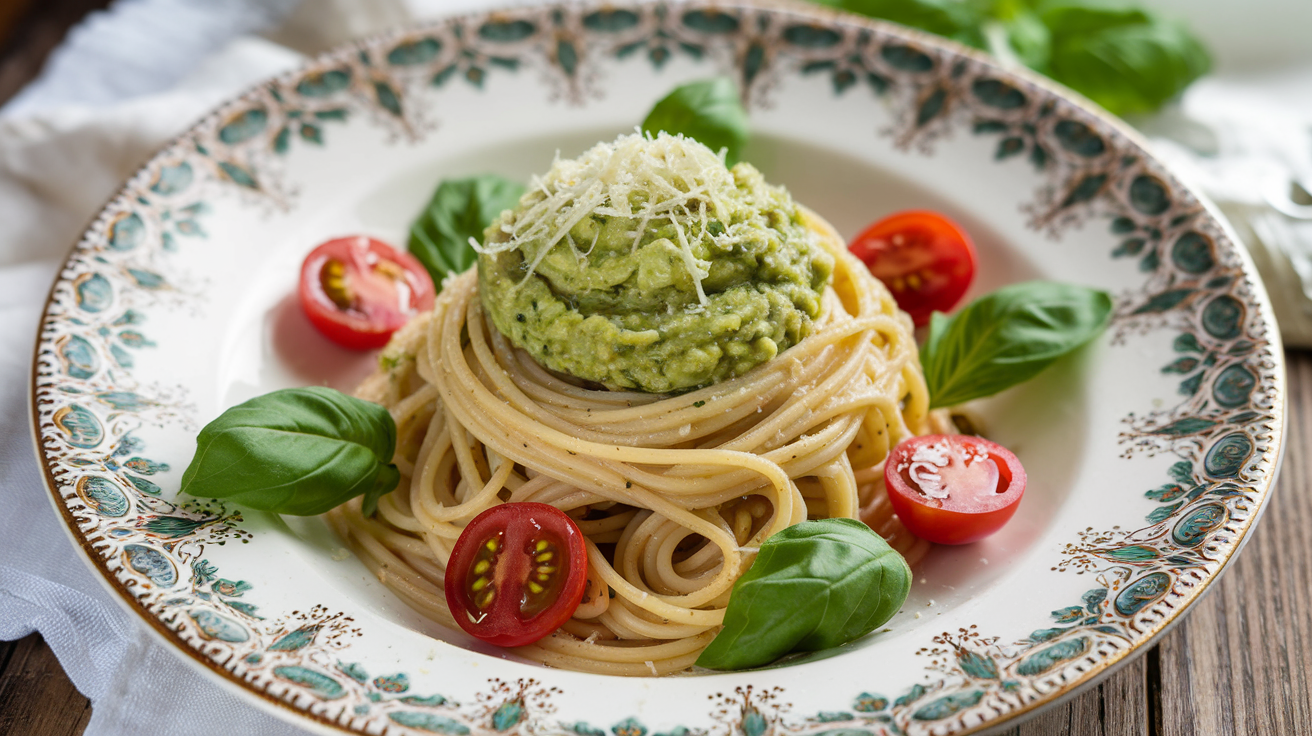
point(115, 401)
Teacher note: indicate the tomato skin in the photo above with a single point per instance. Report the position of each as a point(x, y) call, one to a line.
point(926, 260)
point(971, 513)
point(378, 290)
point(519, 529)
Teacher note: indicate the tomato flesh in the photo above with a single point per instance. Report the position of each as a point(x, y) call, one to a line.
point(357, 290)
point(953, 489)
point(516, 573)
point(926, 260)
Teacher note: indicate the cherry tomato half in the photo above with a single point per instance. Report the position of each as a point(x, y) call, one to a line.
point(926, 260)
point(516, 573)
point(953, 489)
point(357, 291)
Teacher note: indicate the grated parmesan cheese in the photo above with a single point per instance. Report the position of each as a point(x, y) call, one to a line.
point(635, 176)
point(646, 264)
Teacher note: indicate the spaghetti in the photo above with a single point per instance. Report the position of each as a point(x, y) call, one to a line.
point(674, 493)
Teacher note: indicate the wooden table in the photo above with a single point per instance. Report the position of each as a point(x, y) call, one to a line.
point(1240, 663)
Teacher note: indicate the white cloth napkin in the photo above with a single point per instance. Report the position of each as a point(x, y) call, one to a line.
point(1246, 140)
point(56, 169)
point(124, 83)
point(131, 78)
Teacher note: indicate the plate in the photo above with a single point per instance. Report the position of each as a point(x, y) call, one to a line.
point(1150, 453)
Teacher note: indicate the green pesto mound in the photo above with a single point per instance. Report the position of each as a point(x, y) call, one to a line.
point(646, 264)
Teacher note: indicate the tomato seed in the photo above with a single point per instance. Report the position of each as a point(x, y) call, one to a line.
point(390, 270)
point(336, 285)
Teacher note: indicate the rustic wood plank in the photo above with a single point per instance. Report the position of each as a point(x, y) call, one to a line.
point(1242, 661)
point(36, 697)
point(1115, 707)
point(6, 653)
point(11, 12)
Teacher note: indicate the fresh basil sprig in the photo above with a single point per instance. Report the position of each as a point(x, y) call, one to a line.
point(1007, 337)
point(460, 209)
point(813, 585)
point(709, 111)
point(959, 21)
point(298, 451)
point(1121, 56)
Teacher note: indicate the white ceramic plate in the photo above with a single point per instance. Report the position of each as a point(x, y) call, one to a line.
point(1150, 453)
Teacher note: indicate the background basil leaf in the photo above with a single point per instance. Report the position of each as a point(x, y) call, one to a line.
point(954, 19)
point(709, 111)
point(1029, 39)
point(938, 326)
point(297, 451)
point(1007, 337)
point(460, 209)
point(1123, 58)
point(813, 585)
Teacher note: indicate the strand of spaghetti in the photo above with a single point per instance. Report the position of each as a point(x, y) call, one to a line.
point(779, 423)
point(632, 548)
point(440, 546)
point(641, 667)
point(486, 497)
point(840, 496)
point(648, 601)
point(622, 616)
point(557, 439)
point(671, 407)
point(714, 535)
point(620, 653)
point(390, 510)
point(661, 560)
point(643, 456)
point(381, 562)
point(795, 460)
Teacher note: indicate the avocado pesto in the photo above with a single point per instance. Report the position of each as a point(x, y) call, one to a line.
point(646, 264)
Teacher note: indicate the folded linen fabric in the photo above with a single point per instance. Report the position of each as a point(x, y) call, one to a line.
point(1246, 140)
point(116, 92)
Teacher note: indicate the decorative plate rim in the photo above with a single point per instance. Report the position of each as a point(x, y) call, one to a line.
point(1275, 428)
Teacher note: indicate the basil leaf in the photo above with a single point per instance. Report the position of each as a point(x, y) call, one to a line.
point(709, 111)
point(1123, 58)
point(459, 210)
point(1007, 337)
point(1029, 39)
point(298, 451)
point(813, 585)
point(959, 21)
point(1120, 56)
point(1069, 17)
